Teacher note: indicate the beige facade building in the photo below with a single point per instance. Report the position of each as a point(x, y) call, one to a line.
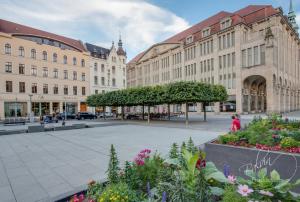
point(107, 69)
point(253, 52)
point(41, 72)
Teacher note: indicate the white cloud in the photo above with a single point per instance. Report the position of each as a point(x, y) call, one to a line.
point(99, 21)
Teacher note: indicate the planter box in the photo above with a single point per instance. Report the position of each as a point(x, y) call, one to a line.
point(240, 159)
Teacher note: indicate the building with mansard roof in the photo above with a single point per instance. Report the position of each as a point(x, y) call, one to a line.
point(107, 68)
point(253, 53)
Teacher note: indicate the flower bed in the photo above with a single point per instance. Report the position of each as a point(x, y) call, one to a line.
point(272, 134)
point(184, 176)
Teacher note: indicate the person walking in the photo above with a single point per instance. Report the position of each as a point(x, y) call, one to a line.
point(235, 124)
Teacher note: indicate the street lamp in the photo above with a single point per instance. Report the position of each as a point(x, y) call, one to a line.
point(30, 109)
point(16, 108)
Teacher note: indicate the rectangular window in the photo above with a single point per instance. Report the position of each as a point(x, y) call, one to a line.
point(45, 72)
point(224, 61)
point(212, 64)
point(102, 81)
point(232, 39)
point(45, 88)
point(228, 40)
point(8, 67)
point(33, 71)
point(220, 62)
point(262, 55)
point(228, 60)
point(102, 68)
point(65, 74)
point(244, 64)
point(83, 90)
point(96, 80)
point(74, 90)
point(224, 42)
point(55, 73)
point(220, 43)
point(249, 51)
point(233, 59)
point(83, 76)
point(212, 46)
point(21, 69)
point(96, 67)
point(55, 89)
point(34, 88)
point(66, 90)
point(9, 87)
point(74, 75)
point(22, 87)
point(256, 55)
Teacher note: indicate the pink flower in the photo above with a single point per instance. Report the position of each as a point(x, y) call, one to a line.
point(266, 193)
point(244, 190)
point(231, 179)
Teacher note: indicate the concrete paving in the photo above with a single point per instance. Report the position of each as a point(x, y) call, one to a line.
point(48, 166)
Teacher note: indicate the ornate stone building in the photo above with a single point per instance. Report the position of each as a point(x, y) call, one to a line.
point(107, 68)
point(253, 52)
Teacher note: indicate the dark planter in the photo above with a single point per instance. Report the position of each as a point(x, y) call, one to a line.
point(240, 158)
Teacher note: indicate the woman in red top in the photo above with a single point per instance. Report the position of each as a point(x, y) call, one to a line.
point(235, 124)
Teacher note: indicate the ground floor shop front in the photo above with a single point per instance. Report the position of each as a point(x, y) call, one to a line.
point(39, 108)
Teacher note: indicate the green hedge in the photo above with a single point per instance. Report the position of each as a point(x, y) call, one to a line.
point(173, 93)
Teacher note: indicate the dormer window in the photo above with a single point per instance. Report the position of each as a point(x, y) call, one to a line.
point(225, 23)
point(206, 32)
point(189, 39)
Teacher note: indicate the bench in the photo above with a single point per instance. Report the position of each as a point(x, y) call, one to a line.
point(14, 121)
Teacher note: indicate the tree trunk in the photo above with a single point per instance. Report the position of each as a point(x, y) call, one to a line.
point(148, 114)
point(104, 110)
point(122, 111)
point(169, 117)
point(143, 112)
point(186, 114)
point(204, 110)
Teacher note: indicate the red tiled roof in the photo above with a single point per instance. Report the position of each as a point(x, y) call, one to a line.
point(17, 29)
point(136, 58)
point(247, 15)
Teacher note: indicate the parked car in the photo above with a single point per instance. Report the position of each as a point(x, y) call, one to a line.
point(132, 116)
point(107, 115)
point(85, 115)
point(50, 119)
point(61, 116)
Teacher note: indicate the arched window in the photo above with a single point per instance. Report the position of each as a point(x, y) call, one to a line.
point(65, 59)
point(7, 48)
point(33, 53)
point(21, 51)
point(82, 63)
point(54, 57)
point(74, 61)
point(44, 55)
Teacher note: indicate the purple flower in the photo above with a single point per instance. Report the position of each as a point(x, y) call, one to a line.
point(149, 190)
point(226, 170)
point(244, 190)
point(164, 197)
point(266, 193)
point(231, 179)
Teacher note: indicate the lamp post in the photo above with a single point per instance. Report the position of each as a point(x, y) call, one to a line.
point(30, 109)
point(65, 110)
point(16, 108)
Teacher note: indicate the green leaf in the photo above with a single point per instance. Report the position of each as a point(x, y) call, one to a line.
point(218, 176)
point(250, 173)
point(175, 162)
point(216, 191)
point(275, 175)
point(296, 183)
point(262, 173)
point(282, 184)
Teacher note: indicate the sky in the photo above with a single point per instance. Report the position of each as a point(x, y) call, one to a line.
point(141, 23)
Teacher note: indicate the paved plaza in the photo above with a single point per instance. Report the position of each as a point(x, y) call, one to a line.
point(48, 166)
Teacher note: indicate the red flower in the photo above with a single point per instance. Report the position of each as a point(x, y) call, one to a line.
point(200, 163)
